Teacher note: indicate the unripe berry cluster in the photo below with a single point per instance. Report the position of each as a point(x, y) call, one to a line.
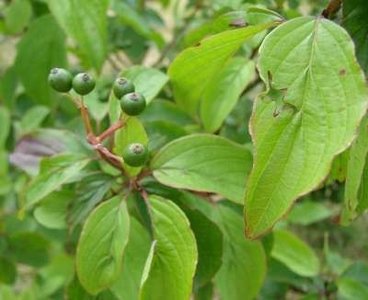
point(132, 103)
point(61, 80)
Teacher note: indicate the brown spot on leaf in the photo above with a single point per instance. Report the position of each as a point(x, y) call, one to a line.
point(238, 23)
point(342, 72)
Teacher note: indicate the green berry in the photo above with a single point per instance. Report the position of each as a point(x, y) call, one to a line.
point(122, 86)
point(83, 84)
point(60, 80)
point(133, 103)
point(135, 154)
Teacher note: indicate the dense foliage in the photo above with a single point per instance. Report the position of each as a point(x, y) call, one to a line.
point(175, 150)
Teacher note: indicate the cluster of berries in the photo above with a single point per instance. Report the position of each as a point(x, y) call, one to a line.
point(132, 103)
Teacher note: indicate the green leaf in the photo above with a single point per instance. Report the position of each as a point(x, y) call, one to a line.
point(194, 68)
point(101, 245)
point(204, 163)
point(55, 171)
point(208, 236)
point(128, 284)
point(41, 48)
point(17, 16)
point(52, 210)
point(355, 175)
point(132, 132)
point(29, 248)
point(8, 271)
point(148, 81)
point(223, 91)
point(169, 272)
point(205, 293)
point(5, 125)
point(55, 275)
point(308, 212)
point(33, 118)
point(355, 12)
point(350, 289)
point(244, 262)
point(309, 114)
point(165, 110)
point(294, 253)
point(89, 192)
point(85, 21)
point(357, 271)
point(130, 17)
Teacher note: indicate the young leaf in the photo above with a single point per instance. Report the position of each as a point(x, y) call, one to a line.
point(355, 177)
point(223, 91)
point(294, 253)
point(132, 132)
point(41, 48)
point(193, 69)
point(310, 114)
point(55, 171)
point(308, 212)
point(101, 245)
point(355, 12)
point(244, 262)
point(127, 285)
point(205, 163)
point(33, 118)
point(85, 21)
point(17, 16)
point(148, 81)
point(170, 268)
point(52, 210)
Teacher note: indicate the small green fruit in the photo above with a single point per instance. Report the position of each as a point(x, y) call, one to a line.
point(122, 86)
point(133, 104)
point(83, 84)
point(135, 154)
point(60, 80)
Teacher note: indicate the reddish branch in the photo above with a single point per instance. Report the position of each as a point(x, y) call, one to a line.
point(332, 8)
point(96, 141)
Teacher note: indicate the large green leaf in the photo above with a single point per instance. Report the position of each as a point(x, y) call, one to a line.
point(194, 68)
point(128, 284)
point(101, 245)
point(355, 12)
point(294, 253)
point(355, 178)
point(41, 48)
point(205, 163)
point(244, 262)
point(223, 91)
point(85, 21)
point(170, 267)
point(55, 171)
point(310, 114)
